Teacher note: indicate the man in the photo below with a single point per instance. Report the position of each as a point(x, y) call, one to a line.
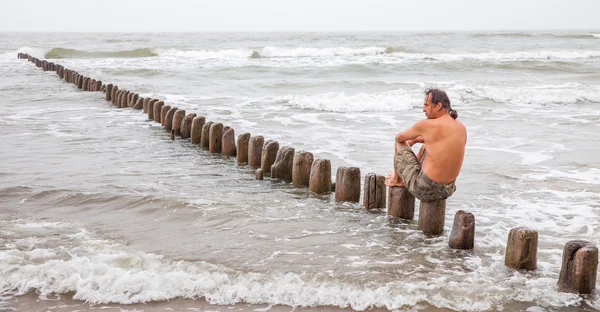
point(430, 175)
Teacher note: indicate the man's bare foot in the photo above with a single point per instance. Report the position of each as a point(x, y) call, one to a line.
point(392, 180)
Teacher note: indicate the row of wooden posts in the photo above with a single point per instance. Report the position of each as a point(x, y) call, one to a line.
point(580, 258)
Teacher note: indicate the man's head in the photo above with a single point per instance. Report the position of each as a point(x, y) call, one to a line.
point(437, 103)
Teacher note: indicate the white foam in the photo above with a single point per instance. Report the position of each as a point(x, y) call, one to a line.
point(390, 101)
point(272, 51)
point(36, 52)
point(585, 176)
point(534, 94)
point(102, 271)
point(596, 35)
point(206, 54)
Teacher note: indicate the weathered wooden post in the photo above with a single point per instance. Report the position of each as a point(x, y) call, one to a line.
point(463, 231)
point(401, 203)
point(255, 147)
point(374, 192)
point(169, 118)
point(347, 184)
point(432, 216)
point(134, 99)
point(177, 119)
point(320, 177)
point(146, 101)
point(268, 155)
point(123, 103)
point(242, 148)
point(157, 111)
point(98, 85)
point(284, 164)
point(186, 126)
point(113, 96)
point(164, 110)
point(579, 267)
point(108, 94)
point(228, 141)
point(139, 104)
point(196, 133)
point(151, 109)
point(205, 139)
point(259, 174)
point(216, 135)
point(521, 249)
point(302, 164)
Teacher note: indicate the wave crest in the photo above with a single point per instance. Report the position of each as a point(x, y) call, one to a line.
point(61, 53)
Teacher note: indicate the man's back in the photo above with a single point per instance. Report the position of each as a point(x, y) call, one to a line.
point(445, 141)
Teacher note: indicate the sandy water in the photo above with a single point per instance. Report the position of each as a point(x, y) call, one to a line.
point(97, 204)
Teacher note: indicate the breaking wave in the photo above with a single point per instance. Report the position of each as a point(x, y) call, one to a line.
point(61, 53)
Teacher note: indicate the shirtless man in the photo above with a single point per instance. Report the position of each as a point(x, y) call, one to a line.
point(430, 175)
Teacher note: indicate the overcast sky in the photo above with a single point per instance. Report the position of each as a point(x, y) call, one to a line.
point(301, 15)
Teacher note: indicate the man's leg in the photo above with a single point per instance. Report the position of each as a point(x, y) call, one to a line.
point(392, 178)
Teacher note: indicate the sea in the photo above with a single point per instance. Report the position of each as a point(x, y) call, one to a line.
point(101, 211)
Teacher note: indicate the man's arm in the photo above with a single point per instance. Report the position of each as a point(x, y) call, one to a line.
point(412, 133)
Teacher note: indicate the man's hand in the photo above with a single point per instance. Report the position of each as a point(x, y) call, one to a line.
point(415, 141)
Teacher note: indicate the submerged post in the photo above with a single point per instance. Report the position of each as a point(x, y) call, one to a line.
point(521, 249)
point(228, 143)
point(205, 139)
point(374, 192)
point(216, 135)
point(347, 184)
point(579, 267)
point(301, 167)
point(432, 216)
point(268, 155)
point(320, 177)
point(255, 147)
point(283, 165)
point(196, 132)
point(242, 148)
point(463, 231)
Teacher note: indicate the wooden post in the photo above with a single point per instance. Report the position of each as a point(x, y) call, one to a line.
point(255, 147)
point(374, 192)
point(164, 110)
point(320, 177)
point(186, 126)
point(196, 133)
point(521, 249)
point(284, 164)
point(177, 119)
point(242, 148)
point(215, 135)
point(301, 166)
point(579, 267)
point(259, 174)
point(268, 155)
point(401, 203)
point(134, 98)
point(151, 109)
point(347, 184)
point(113, 96)
point(146, 101)
point(157, 111)
point(432, 216)
point(139, 104)
point(205, 138)
point(108, 94)
point(463, 231)
point(169, 118)
point(228, 141)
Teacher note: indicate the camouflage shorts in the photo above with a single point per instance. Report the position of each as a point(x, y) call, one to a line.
point(420, 185)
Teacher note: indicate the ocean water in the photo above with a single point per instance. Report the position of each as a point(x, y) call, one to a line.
point(100, 210)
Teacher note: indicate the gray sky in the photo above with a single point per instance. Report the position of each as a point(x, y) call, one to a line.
point(302, 15)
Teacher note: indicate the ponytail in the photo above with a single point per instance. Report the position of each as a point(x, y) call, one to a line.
point(453, 113)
